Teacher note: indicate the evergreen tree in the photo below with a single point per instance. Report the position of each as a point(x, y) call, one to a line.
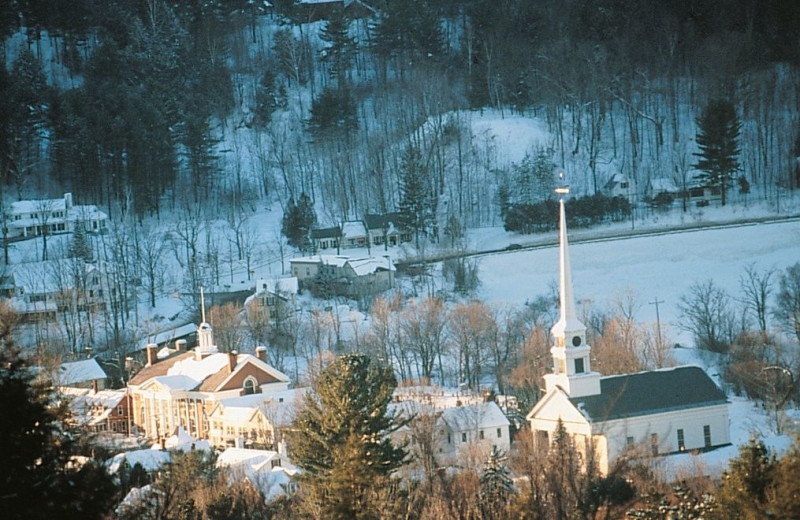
point(341, 439)
point(81, 247)
point(39, 480)
point(496, 485)
point(333, 111)
point(746, 484)
point(298, 219)
point(340, 46)
point(718, 140)
point(416, 203)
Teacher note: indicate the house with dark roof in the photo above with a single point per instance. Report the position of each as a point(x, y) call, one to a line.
point(385, 229)
point(325, 238)
point(661, 412)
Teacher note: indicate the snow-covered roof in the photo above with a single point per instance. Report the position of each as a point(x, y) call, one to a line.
point(49, 276)
point(369, 265)
point(278, 407)
point(353, 228)
point(167, 335)
point(335, 260)
point(76, 372)
point(89, 407)
point(177, 382)
point(471, 417)
point(288, 285)
point(150, 459)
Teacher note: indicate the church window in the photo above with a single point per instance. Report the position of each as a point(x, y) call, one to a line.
point(654, 443)
point(499, 432)
point(579, 366)
point(681, 440)
point(707, 435)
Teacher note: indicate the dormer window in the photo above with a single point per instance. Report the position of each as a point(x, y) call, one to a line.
point(250, 386)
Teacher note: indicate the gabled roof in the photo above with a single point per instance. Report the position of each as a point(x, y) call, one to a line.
point(331, 232)
point(385, 220)
point(353, 228)
point(369, 265)
point(646, 393)
point(470, 417)
point(82, 371)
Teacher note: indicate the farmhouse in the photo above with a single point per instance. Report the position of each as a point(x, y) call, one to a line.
point(32, 218)
point(330, 275)
point(665, 411)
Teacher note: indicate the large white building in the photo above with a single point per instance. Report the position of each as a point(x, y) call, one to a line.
point(182, 389)
point(32, 218)
point(664, 411)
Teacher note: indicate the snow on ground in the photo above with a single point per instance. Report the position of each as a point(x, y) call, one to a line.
point(662, 267)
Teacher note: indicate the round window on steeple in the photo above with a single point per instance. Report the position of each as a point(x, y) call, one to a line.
point(576, 341)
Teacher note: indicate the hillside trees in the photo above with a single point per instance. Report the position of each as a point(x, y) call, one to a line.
point(341, 439)
point(788, 305)
point(718, 140)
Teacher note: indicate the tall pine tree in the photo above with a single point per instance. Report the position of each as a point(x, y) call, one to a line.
point(298, 219)
point(416, 203)
point(718, 140)
point(341, 439)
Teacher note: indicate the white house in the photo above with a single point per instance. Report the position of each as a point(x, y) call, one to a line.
point(274, 299)
point(31, 218)
point(345, 276)
point(40, 289)
point(256, 420)
point(620, 185)
point(354, 234)
point(666, 411)
point(483, 425)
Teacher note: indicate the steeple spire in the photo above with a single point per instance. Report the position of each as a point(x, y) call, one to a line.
point(572, 370)
point(568, 320)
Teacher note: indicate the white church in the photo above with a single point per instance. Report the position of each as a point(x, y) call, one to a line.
point(663, 411)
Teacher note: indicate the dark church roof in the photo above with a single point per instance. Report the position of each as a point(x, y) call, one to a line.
point(646, 393)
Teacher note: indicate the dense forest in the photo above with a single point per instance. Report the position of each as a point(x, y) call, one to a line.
point(150, 105)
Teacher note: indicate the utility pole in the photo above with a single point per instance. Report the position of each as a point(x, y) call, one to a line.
point(658, 319)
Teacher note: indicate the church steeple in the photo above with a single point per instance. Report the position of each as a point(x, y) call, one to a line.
point(568, 324)
point(205, 334)
point(571, 353)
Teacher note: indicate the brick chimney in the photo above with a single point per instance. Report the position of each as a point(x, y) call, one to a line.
point(180, 345)
point(261, 353)
point(233, 358)
point(152, 357)
point(95, 386)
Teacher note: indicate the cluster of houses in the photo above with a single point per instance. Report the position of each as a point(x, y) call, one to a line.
point(662, 188)
point(205, 398)
point(38, 290)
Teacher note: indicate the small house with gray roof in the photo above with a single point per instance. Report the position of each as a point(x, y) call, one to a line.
point(659, 412)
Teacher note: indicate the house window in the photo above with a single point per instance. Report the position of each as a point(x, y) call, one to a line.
point(629, 442)
point(654, 443)
point(463, 437)
point(481, 434)
point(707, 435)
point(449, 439)
point(579, 366)
point(249, 386)
point(542, 439)
point(499, 432)
point(119, 410)
point(623, 185)
point(681, 440)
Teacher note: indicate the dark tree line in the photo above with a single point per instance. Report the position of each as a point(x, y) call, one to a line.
point(581, 212)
